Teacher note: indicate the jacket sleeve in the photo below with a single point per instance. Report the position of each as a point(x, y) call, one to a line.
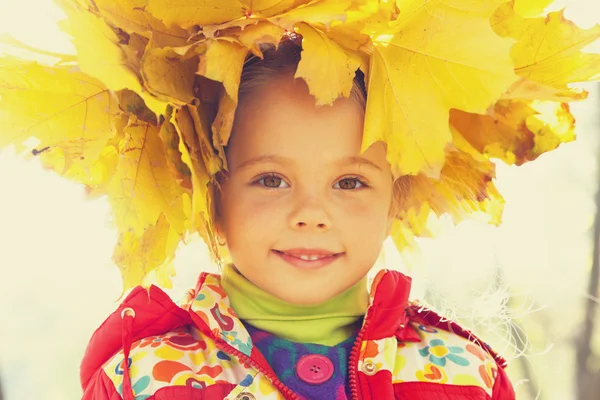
point(503, 389)
point(100, 387)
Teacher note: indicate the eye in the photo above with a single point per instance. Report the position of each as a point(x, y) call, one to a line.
point(350, 183)
point(270, 181)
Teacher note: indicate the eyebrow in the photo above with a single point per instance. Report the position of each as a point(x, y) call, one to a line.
point(272, 158)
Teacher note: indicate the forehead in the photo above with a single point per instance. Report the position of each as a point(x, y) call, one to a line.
point(282, 119)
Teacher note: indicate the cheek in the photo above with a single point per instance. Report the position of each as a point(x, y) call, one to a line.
point(367, 222)
point(245, 215)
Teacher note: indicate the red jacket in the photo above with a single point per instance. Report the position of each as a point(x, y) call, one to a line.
point(201, 350)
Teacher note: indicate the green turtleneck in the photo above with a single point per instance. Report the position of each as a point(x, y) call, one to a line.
point(328, 323)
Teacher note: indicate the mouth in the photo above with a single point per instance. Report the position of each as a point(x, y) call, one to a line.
point(308, 260)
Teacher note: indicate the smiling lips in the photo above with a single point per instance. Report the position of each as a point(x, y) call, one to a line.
point(308, 258)
point(308, 254)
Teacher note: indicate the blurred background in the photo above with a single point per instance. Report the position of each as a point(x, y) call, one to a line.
point(529, 287)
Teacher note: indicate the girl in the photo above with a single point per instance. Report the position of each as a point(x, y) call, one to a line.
point(303, 214)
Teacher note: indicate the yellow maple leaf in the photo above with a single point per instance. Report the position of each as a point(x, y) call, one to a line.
point(223, 62)
point(261, 32)
point(205, 147)
point(168, 75)
point(131, 16)
point(516, 131)
point(548, 49)
point(99, 54)
point(180, 171)
point(526, 89)
point(351, 32)
point(142, 188)
point(189, 148)
point(316, 12)
point(408, 9)
point(152, 250)
point(418, 74)
point(131, 103)
point(531, 8)
point(199, 217)
point(215, 105)
point(187, 13)
point(327, 69)
point(67, 111)
point(465, 186)
point(273, 7)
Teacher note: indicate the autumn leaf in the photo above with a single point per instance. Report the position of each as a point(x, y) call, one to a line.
point(465, 186)
point(327, 69)
point(153, 250)
point(416, 78)
point(209, 155)
point(215, 105)
point(179, 170)
point(99, 54)
point(548, 49)
point(68, 112)
point(131, 16)
point(531, 8)
point(187, 13)
point(142, 188)
point(169, 76)
point(199, 219)
point(516, 131)
point(526, 89)
point(317, 12)
point(263, 32)
point(132, 104)
point(134, 47)
point(267, 8)
point(363, 19)
point(223, 62)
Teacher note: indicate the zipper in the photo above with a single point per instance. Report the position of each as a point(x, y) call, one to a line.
point(227, 348)
point(353, 360)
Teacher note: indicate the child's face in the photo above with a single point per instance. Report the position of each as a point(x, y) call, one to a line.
point(312, 201)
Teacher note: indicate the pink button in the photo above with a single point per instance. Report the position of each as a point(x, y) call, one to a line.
point(314, 369)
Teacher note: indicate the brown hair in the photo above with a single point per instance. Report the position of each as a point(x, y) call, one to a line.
point(283, 60)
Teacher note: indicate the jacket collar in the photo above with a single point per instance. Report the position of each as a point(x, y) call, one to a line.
point(388, 302)
point(156, 314)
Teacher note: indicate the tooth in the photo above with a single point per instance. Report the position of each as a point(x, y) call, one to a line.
point(309, 258)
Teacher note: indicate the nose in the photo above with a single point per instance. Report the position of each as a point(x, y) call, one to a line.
point(310, 213)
